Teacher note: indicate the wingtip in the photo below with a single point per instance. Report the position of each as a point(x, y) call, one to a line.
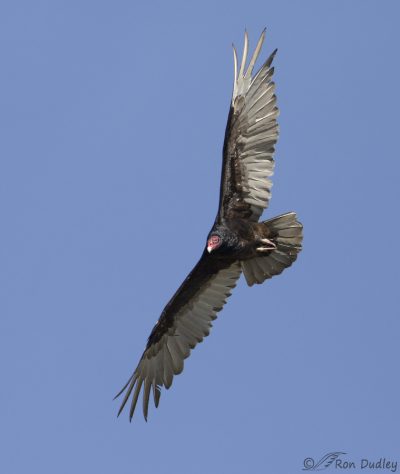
point(255, 54)
point(244, 54)
point(234, 52)
point(235, 69)
point(268, 62)
point(122, 404)
point(262, 36)
point(156, 398)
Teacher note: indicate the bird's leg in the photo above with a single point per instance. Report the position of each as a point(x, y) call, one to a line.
point(267, 245)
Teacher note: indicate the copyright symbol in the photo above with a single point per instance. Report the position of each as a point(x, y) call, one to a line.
point(308, 463)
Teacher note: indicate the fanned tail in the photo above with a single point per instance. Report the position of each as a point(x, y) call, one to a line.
point(287, 234)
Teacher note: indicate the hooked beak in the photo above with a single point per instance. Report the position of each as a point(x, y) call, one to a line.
point(209, 249)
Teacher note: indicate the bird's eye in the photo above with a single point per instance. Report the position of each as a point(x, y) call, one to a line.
point(215, 240)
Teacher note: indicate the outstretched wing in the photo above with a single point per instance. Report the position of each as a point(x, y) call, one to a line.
point(250, 136)
point(185, 321)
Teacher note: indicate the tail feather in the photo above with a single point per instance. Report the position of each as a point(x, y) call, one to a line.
point(287, 234)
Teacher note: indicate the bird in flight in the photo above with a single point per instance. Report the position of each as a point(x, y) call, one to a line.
point(237, 242)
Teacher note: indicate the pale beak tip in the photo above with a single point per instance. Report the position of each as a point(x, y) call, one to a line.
point(209, 249)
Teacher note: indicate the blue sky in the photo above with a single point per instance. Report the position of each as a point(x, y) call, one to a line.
point(112, 118)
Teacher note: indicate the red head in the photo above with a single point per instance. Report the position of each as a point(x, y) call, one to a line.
point(213, 243)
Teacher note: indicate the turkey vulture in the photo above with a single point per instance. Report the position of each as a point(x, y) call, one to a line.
point(236, 243)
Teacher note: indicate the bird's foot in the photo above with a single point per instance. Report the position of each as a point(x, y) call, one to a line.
point(267, 246)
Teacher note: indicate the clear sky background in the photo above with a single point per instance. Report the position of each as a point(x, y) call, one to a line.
point(112, 120)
